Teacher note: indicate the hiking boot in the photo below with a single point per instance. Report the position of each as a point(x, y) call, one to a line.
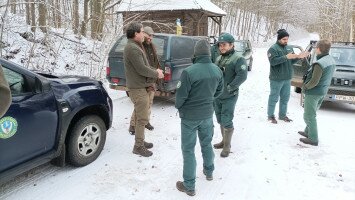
point(228, 133)
point(148, 145)
point(142, 150)
point(272, 120)
point(220, 144)
point(208, 177)
point(131, 130)
point(304, 134)
point(149, 127)
point(286, 119)
point(308, 141)
point(180, 186)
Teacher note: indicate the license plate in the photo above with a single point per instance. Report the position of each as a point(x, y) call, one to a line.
point(344, 98)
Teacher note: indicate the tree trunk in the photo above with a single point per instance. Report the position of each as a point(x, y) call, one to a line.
point(13, 6)
point(28, 13)
point(42, 18)
point(85, 18)
point(33, 16)
point(75, 16)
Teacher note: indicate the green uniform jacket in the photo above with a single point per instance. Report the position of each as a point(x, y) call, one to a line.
point(280, 67)
point(5, 94)
point(235, 72)
point(138, 72)
point(199, 85)
point(327, 65)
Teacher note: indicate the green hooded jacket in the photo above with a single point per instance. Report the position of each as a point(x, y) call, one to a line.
point(199, 85)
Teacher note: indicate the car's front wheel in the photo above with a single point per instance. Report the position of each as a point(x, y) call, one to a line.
point(86, 140)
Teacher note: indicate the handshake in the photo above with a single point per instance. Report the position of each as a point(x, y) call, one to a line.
point(303, 54)
point(160, 73)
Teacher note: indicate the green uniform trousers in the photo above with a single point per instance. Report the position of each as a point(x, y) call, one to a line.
point(189, 130)
point(140, 99)
point(279, 89)
point(311, 104)
point(224, 109)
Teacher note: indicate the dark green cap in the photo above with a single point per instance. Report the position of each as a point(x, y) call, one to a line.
point(226, 37)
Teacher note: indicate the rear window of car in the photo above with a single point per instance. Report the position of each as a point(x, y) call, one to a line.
point(343, 56)
point(182, 47)
point(121, 44)
point(158, 42)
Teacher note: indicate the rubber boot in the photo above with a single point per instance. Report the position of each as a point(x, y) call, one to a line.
point(220, 144)
point(228, 133)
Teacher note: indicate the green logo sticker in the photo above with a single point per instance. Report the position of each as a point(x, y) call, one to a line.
point(178, 84)
point(8, 127)
point(244, 67)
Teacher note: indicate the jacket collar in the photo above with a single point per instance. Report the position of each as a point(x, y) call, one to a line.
point(321, 56)
point(202, 59)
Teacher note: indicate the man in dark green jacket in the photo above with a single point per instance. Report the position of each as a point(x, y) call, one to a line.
point(315, 88)
point(281, 58)
point(199, 85)
point(138, 72)
point(235, 72)
point(5, 94)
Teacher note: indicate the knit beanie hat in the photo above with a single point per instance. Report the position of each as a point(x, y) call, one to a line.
point(281, 34)
point(202, 47)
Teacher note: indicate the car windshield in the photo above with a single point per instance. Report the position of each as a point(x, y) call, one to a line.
point(239, 46)
point(343, 56)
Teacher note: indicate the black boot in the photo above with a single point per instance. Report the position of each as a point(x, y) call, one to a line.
point(304, 134)
point(131, 130)
point(149, 127)
point(308, 141)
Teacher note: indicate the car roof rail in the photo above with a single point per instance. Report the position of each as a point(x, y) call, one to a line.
point(345, 43)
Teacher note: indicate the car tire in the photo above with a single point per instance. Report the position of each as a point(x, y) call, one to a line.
point(86, 140)
point(250, 64)
point(298, 89)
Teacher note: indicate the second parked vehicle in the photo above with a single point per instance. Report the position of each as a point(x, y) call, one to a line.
point(342, 87)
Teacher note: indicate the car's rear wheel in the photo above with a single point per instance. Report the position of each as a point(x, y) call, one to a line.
point(86, 140)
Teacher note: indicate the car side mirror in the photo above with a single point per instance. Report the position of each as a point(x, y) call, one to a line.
point(38, 85)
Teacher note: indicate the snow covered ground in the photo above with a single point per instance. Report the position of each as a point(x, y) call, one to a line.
point(268, 161)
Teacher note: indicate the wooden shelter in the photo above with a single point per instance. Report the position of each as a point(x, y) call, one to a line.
point(161, 15)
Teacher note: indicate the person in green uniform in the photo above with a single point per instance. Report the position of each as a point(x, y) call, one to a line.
point(199, 85)
point(315, 88)
point(235, 72)
point(281, 58)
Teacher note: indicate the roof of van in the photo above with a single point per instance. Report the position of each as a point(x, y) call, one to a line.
point(170, 5)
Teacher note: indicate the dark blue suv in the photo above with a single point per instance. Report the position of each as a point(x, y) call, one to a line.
point(62, 119)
